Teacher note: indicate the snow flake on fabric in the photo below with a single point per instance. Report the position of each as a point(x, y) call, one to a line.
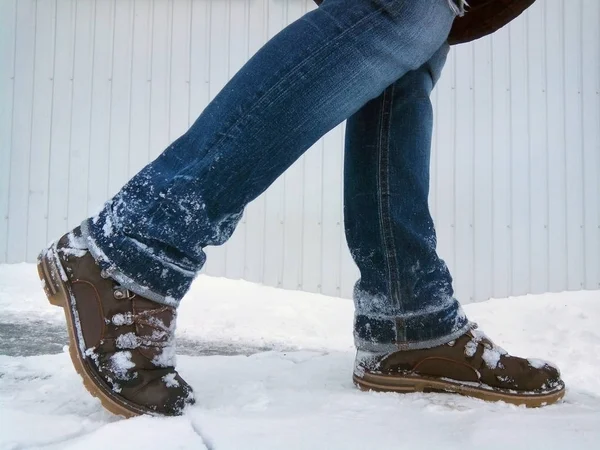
point(470, 348)
point(128, 341)
point(170, 380)
point(540, 363)
point(166, 357)
point(120, 320)
point(491, 354)
point(120, 363)
point(491, 357)
point(76, 246)
point(107, 228)
point(91, 353)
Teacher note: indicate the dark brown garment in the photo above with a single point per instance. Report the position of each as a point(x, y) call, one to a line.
point(483, 17)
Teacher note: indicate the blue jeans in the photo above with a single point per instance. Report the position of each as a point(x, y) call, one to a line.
point(348, 58)
point(404, 297)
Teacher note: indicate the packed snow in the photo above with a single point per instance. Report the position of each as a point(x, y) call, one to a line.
point(272, 370)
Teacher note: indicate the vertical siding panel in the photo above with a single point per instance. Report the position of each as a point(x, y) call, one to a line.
point(179, 66)
point(41, 124)
point(590, 70)
point(313, 210)
point(219, 45)
point(349, 272)
point(557, 231)
point(121, 95)
point(81, 111)
point(501, 163)
point(483, 125)
point(238, 45)
point(291, 269)
point(21, 131)
point(312, 213)
point(538, 150)
point(332, 216)
point(199, 58)
point(596, 198)
point(255, 212)
point(274, 197)
point(8, 16)
point(519, 149)
point(446, 129)
point(99, 139)
point(160, 76)
point(463, 167)
point(58, 186)
point(141, 87)
point(574, 146)
point(219, 75)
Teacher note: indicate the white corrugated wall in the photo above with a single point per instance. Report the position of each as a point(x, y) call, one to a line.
point(91, 90)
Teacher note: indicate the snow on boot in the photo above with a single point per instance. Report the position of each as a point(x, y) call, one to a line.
point(120, 343)
point(471, 365)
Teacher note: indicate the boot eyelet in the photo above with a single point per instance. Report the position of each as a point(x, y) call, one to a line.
point(120, 293)
point(104, 274)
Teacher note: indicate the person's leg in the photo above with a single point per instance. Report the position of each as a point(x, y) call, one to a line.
point(120, 276)
point(310, 77)
point(411, 334)
point(404, 298)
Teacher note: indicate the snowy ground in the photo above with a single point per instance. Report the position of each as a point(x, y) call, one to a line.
point(271, 370)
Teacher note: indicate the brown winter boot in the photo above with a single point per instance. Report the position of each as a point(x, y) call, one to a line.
point(120, 343)
point(472, 366)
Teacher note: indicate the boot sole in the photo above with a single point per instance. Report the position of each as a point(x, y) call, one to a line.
point(407, 384)
point(59, 294)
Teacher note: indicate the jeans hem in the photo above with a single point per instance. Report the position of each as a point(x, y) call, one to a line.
point(375, 347)
point(114, 271)
point(376, 332)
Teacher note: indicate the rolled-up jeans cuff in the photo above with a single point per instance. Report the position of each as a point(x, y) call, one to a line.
point(132, 265)
point(384, 334)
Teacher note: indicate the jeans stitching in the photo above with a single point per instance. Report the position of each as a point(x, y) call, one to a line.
point(389, 247)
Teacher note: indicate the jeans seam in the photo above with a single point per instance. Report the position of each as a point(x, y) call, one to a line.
point(389, 248)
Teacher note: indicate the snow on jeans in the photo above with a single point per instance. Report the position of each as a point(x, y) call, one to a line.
point(357, 59)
